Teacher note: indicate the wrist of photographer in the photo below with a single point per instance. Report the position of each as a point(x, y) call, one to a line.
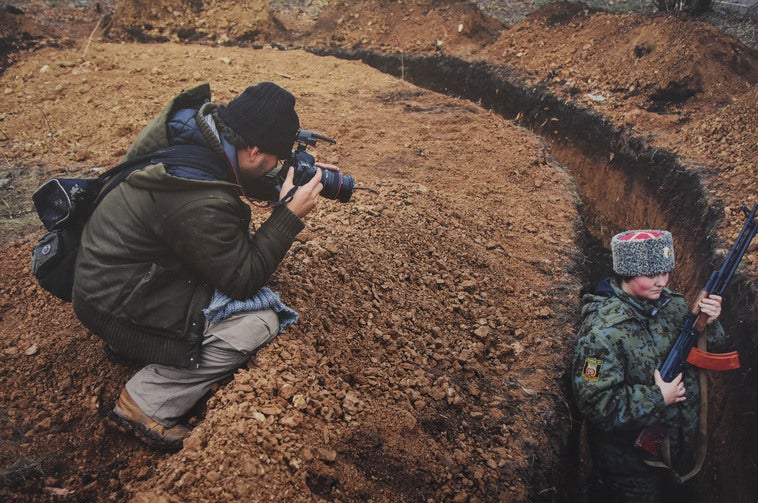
point(305, 197)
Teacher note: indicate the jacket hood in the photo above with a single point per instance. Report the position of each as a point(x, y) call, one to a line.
point(186, 126)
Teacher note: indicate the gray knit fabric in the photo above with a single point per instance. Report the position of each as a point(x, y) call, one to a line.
point(642, 252)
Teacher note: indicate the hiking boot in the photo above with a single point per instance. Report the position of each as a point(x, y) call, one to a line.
point(126, 416)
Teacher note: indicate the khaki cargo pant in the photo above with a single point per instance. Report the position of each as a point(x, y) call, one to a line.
point(167, 393)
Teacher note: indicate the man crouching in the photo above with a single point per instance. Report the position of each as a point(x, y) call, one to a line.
point(168, 273)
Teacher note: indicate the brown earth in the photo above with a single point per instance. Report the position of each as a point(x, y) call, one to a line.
point(438, 307)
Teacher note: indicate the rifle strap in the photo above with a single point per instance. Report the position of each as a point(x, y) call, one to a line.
point(702, 434)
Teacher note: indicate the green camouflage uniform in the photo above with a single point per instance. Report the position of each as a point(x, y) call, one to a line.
point(619, 345)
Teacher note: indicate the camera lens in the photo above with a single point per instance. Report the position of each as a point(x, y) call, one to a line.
point(336, 185)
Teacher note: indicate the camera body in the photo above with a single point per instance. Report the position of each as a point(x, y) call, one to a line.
point(336, 185)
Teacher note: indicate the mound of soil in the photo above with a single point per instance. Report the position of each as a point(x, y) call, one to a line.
point(415, 359)
point(437, 308)
point(673, 80)
point(386, 26)
point(20, 33)
point(216, 21)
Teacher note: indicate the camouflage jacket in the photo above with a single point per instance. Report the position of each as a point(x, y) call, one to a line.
point(619, 345)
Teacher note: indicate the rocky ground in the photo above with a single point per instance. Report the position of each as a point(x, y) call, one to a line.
point(437, 307)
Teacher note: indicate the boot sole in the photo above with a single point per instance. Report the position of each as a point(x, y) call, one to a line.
point(142, 432)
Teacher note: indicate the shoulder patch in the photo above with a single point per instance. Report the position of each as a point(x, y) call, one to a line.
point(591, 369)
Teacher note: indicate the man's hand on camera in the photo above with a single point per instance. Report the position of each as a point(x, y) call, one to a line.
point(306, 196)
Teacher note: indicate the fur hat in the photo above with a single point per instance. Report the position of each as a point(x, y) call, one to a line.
point(642, 252)
point(264, 116)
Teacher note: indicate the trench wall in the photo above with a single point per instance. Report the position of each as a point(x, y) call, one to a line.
point(611, 165)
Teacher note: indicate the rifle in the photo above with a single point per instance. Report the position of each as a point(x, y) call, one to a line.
point(694, 323)
point(684, 350)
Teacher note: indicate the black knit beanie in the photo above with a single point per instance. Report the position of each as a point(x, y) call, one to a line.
point(264, 116)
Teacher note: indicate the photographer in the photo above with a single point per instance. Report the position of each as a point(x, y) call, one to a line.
point(168, 273)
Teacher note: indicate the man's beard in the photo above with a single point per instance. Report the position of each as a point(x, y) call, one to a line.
point(262, 188)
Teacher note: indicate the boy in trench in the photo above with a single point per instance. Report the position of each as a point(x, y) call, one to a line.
point(629, 325)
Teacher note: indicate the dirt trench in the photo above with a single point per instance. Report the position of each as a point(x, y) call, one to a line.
point(623, 182)
point(374, 460)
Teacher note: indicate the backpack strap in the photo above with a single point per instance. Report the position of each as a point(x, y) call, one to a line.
point(193, 156)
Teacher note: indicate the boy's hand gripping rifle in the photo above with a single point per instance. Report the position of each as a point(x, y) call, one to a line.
point(684, 349)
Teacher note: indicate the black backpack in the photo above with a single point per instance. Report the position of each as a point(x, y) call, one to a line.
point(65, 204)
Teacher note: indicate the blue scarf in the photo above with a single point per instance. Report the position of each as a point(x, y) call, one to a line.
point(222, 306)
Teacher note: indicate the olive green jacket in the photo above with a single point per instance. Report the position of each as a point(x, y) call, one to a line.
point(157, 247)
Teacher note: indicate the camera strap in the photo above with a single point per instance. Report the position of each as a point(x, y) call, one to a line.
point(287, 198)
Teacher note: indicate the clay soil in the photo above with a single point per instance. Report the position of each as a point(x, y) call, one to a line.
point(438, 306)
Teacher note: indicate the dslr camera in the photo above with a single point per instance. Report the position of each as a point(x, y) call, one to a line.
point(336, 185)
